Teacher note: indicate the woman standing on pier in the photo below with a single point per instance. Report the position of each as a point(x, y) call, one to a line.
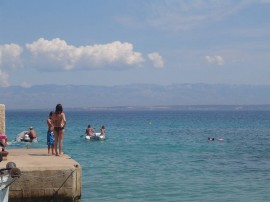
point(59, 122)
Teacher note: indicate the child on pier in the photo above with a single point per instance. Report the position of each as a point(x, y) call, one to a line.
point(50, 135)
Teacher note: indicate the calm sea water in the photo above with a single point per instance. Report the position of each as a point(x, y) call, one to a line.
point(165, 155)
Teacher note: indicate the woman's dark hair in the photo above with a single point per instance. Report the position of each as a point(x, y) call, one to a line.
point(58, 109)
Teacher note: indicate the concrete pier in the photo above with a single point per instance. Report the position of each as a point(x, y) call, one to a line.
point(44, 178)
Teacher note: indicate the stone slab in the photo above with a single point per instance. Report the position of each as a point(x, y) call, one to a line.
point(44, 177)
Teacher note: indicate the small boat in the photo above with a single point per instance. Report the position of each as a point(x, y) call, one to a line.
point(24, 137)
point(96, 136)
point(7, 176)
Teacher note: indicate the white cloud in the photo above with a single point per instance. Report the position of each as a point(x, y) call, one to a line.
point(25, 84)
point(57, 54)
point(10, 56)
point(184, 15)
point(215, 59)
point(3, 79)
point(156, 59)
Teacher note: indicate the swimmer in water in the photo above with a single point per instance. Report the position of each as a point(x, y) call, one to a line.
point(213, 139)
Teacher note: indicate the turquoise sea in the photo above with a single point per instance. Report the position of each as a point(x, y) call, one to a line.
point(164, 155)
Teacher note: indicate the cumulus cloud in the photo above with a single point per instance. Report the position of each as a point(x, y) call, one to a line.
point(3, 79)
point(10, 56)
point(58, 54)
point(156, 59)
point(215, 59)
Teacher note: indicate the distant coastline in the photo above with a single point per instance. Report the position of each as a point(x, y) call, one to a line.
point(165, 108)
point(139, 97)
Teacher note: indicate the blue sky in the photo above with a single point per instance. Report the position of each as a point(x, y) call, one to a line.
point(115, 42)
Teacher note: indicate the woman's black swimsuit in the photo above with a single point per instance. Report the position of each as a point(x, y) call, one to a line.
point(57, 129)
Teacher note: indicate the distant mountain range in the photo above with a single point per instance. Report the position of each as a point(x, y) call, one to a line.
point(135, 95)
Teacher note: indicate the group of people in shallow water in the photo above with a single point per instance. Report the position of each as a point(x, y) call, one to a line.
point(90, 131)
point(55, 134)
